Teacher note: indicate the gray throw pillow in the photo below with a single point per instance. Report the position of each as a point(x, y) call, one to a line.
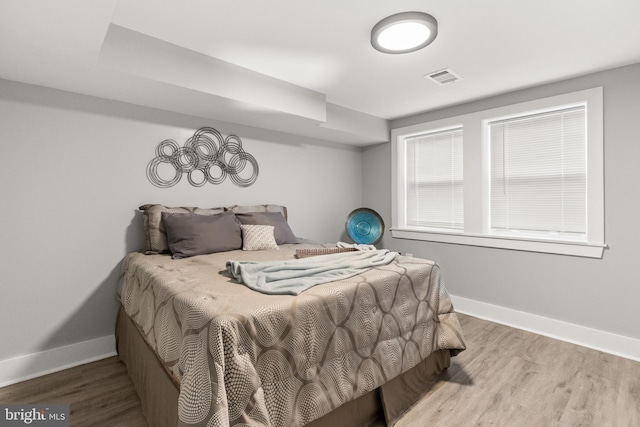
point(282, 231)
point(155, 234)
point(193, 234)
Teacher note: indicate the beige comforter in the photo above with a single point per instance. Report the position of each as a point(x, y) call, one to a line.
point(246, 358)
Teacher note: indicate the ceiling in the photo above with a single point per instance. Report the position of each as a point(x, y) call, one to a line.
point(304, 67)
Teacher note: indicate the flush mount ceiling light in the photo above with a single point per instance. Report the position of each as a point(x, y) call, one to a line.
point(404, 32)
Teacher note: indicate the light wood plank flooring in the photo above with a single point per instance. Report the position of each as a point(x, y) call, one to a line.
point(509, 377)
point(99, 393)
point(506, 377)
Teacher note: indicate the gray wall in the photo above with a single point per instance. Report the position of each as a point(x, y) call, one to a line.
point(72, 174)
point(596, 293)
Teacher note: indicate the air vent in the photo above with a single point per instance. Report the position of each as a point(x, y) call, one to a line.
point(443, 77)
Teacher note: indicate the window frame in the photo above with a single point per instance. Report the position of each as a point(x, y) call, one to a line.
point(476, 146)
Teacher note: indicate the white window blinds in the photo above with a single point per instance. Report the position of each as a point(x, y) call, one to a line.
point(539, 174)
point(434, 180)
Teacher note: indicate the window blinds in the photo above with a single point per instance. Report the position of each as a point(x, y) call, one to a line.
point(538, 174)
point(435, 180)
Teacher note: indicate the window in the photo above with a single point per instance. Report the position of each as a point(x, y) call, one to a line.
point(434, 180)
point(539, 175)
point(527, 176)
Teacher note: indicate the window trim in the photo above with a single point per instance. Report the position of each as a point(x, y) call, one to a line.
point(476, 188)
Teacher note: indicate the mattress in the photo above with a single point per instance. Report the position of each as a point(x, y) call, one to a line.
point(240, 357)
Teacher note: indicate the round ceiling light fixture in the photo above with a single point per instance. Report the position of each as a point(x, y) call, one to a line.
point(404, 32)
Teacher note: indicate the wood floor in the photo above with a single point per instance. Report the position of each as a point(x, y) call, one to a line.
point(509, 377)
point(506, 377)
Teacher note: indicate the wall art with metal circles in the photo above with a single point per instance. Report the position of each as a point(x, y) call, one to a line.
point(205, 157)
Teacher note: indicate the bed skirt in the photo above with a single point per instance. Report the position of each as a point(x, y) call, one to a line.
point(159, 393)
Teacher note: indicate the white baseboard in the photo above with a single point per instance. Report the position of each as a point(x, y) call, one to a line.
point(33, 365)
point(606, 342)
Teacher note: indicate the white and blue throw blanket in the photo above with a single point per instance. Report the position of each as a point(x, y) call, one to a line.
point(295, 276)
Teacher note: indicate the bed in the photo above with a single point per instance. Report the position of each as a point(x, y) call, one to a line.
point(203, 349)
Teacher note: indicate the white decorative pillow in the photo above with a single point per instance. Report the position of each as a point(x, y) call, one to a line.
point(258, 237)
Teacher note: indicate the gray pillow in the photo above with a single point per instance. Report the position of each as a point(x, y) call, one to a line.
point(259, 208)
point(155, 234)
point(282, 231)
point(192, 234)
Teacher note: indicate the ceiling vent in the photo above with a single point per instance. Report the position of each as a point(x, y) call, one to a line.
point(443, 77)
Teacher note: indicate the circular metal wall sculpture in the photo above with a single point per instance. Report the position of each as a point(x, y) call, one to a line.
point(365, 226)
point(205, 157)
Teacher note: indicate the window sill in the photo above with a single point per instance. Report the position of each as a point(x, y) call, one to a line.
point(588, 250)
